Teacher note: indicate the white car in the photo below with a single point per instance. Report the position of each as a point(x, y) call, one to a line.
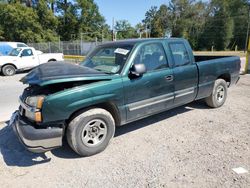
point(25, 58)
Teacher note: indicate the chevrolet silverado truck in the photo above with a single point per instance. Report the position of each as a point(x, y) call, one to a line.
point(25, 58)
point(118, 83)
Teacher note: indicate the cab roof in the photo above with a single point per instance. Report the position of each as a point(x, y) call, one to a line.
point(137, 41)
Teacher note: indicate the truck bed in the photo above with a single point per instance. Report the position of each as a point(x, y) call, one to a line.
point(199, 58)
point(211, 67)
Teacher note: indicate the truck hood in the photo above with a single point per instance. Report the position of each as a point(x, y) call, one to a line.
point(59, 72)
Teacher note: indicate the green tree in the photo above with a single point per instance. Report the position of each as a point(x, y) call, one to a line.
point(140, 30)
point(218, 29)
point(68, 27)
point(149, 21)
point(91, 22)
point(182, 14)
point(3, 1)
point(52, 4)
point(47, 20)
point(125, 30)
point(195, 24)
point(150, 15)
point(160, 24)
point(1, 33)
point(239, 13)
point(28, 3)
point(19, 23)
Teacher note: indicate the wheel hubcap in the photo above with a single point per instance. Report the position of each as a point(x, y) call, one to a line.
point(220, 93)
point(9, 71)
point(94, 133)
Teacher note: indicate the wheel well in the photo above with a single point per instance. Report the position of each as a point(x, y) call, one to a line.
point(52, 60)
point(9, 64)
point(109, 106)
point(225, 77)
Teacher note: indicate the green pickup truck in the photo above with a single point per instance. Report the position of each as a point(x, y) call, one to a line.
point(118, 82)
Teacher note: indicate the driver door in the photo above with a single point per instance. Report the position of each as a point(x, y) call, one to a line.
point(27, 59)
point(154, 90)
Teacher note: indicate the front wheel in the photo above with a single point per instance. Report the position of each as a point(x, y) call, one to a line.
point(90, 132)
point(8, 70)
point(219, 94)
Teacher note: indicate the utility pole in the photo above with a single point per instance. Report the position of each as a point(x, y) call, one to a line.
point(150, 28)
point(81, 44)
point(113, 29)
point(102, 36)
point(248, 24)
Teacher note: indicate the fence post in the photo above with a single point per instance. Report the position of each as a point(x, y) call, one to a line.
point(62, 45)
point(49, 48)
point(247, 58)
point(81, 44)
point(59, 44)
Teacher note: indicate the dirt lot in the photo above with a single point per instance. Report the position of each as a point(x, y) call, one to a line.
point(191, 146)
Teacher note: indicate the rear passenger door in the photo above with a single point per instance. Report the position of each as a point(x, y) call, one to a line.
point(185, 74)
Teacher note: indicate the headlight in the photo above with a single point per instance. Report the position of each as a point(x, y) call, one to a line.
point(35, 101)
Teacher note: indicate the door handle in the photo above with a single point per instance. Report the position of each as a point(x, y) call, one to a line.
point(169, 78)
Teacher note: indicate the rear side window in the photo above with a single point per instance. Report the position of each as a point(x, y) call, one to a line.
point(152, 56)
point(180, 54)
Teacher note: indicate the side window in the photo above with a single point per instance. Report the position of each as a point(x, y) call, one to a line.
point(27, 52)
point(180, 54)
point(152, 56)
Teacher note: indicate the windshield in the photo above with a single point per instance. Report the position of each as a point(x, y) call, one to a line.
point(109, 60)
point(15, 52)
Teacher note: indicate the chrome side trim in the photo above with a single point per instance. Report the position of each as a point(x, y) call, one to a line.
point(159, 99)
point(183, 92)
point(150, 102)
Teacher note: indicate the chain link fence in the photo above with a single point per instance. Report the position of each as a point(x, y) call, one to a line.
point(77, 47)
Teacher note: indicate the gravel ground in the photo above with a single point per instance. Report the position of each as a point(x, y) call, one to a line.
point(10, 90)
point(191, 146)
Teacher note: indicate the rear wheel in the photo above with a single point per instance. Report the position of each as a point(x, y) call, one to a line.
point(51, 60)
point(219, 94)
point(8, 70)
point(90, 132)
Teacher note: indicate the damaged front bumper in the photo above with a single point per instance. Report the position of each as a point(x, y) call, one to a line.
point(34, 139)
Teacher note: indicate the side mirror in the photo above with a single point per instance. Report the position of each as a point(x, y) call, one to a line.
point(137, 70)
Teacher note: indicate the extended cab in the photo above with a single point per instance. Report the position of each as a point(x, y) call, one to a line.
point(25, 58)
point(118, 83)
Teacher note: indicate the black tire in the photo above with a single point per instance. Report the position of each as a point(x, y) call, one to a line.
point(8, 70)
point(219, 94)
point(80, 125)
point(51, 60)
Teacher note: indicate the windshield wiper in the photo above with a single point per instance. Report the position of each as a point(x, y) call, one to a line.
point(104, 71)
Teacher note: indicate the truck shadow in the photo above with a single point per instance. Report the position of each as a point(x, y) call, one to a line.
point(17, 72)
point(158, 117)
point(14, 153)
point(68, 153)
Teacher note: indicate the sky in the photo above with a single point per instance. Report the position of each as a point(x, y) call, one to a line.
point(131, 10)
